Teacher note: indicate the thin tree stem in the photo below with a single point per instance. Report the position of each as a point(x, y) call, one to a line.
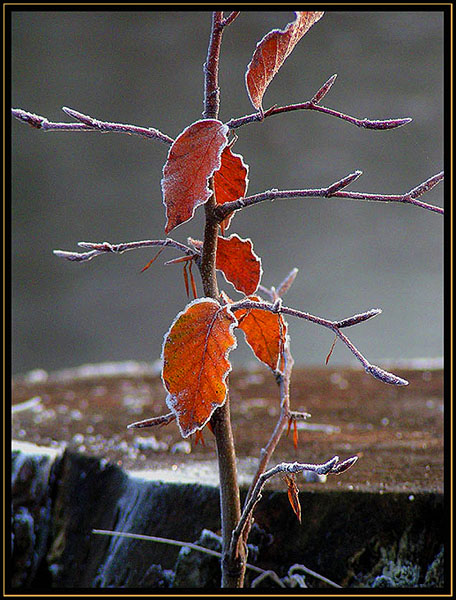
point(233, 567)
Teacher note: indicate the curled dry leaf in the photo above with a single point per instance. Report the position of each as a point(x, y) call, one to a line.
point(293, 421)
point(230, 181)
point(265, 333)
point(293, 492)
point(195, 362)
point(272, 51)
point(239, 263)
point(331, 350)
point(192, 159)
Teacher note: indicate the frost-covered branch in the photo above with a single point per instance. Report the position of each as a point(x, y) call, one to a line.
point(87, 123)
point(313, 104)
point(335, 190)
point(97, 248)
point(230, 18)
point(331, 467)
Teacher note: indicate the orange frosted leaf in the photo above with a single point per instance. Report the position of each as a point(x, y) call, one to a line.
point(264, 333)
point(192, 159)
point(230, 181)
point(272, 51)
point(239, 263)
point(195, 362)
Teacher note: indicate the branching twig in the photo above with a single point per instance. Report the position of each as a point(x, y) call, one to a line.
point(332, 466)
point(313, 105)
point(335, 326)
point(97, 248)
point(87, 123)
point(230, 18)
point(335, 191)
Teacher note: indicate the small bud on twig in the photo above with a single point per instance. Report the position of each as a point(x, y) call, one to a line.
point(324, 89)
point(342, 183)
point(385, 376)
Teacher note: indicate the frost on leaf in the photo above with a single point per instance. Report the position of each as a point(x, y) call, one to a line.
point(265, 332)
point(192, 159)
point(195, 362)
point(230, 181)
point(239, 263)
point(272, 51)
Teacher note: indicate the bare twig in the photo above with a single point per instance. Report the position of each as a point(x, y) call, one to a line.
point(161, 540)
point(283, 287)
point(313, 105)
point(230, 18)
point(97, 248)
point(87, 123)
point(335, 191)
point(153, 421)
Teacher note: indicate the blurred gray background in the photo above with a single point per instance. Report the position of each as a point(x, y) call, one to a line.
point(145, 67)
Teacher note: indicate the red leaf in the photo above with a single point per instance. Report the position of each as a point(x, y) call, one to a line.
point(195, 362)
point(272, 51)
point(264, 332)
point(238, 263)
point(192, 159)
point(230, 181)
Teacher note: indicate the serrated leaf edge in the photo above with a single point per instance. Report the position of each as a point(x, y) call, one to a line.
point(254, 254)
point(231, 328)
point(219, 164)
